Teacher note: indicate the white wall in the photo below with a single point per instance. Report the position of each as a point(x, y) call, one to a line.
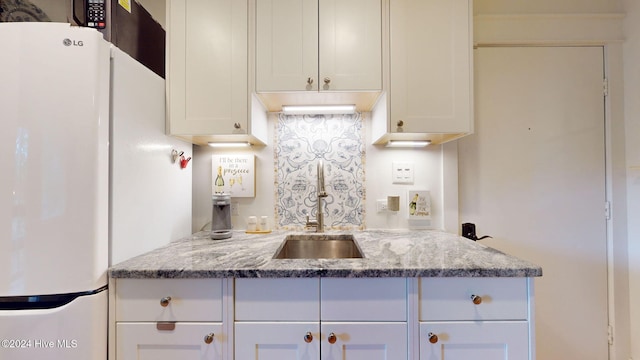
point(150, 196)
point(632, 124)
point(428, 175)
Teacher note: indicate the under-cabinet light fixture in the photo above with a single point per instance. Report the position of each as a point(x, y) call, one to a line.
point(318, 109)
point(408, 143)
point(230, 144)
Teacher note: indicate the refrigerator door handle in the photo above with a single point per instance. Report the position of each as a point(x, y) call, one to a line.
point(33, 302)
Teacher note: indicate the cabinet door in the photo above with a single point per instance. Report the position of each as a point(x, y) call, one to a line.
point(188, 341)
point(207, 77)
point(430, 70)
point(286, 45)
point(350, 45)
point(364, 341)
point(277, 341)
point(480, 340)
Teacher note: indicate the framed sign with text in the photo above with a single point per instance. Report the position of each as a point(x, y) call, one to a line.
point(418, 205)
point(234, 175)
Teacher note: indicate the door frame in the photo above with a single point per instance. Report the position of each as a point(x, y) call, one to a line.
point(604, 30)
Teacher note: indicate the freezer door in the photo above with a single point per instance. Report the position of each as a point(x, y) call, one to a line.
point(54, 107)
point(76, 331)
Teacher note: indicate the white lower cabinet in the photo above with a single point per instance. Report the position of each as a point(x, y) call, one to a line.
point(187, 341)
point(167, 319)
point(480, 340)
point(324, 319)
point(349, 319)
point(277, 340)
point(479, 318)
point(363, 341)
point(310, 340)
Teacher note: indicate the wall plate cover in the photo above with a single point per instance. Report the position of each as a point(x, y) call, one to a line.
point(402, 172)
point(381, 205)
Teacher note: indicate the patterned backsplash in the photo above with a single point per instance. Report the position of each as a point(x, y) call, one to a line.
point(302, 140)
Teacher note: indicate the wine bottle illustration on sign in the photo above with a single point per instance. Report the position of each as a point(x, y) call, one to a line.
point(219, 182)
point(413, 205)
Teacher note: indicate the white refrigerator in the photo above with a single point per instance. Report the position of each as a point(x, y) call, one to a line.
point(57, 91)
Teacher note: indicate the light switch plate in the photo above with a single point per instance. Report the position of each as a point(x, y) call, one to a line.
point(402, 172)
point(381, 205)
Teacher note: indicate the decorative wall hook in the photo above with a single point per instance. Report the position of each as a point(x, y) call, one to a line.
point(175, 155)
point(184, 161)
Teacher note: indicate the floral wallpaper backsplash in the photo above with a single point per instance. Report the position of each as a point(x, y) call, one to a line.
point(302, 140)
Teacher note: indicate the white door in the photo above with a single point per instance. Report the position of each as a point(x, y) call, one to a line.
point(188, 341)
point(277, 341)
point(533, 177)
point(477, 340)
point(364, 341)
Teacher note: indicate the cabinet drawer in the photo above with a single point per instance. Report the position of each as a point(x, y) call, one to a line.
point(277, 299)
point(138, 341)
point(451, 299)
point(363, 299)
point(190, 300)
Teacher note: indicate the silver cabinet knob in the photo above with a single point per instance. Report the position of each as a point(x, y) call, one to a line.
point(309, 80)
point(164, 302)
point(237, 125)
point(327, 80)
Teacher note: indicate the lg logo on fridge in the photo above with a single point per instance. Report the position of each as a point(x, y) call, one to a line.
point(69, 42)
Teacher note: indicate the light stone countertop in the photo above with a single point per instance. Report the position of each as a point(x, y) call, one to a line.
point(387, 253)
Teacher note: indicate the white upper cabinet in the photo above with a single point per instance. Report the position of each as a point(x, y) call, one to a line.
point(350, 43)
point(286, 45)
point(318, 46)
point(209, 97)
point(429, 92)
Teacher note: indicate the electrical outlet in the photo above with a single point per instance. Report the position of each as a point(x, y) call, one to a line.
point(402, 172)
point(381, 205)
point(234, 208)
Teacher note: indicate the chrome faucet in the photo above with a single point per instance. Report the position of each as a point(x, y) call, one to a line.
point(318, 223)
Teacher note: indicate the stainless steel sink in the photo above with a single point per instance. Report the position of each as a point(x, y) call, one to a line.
point(318, 246)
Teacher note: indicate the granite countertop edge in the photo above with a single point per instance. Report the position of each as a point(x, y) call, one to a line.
point(388, 253)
